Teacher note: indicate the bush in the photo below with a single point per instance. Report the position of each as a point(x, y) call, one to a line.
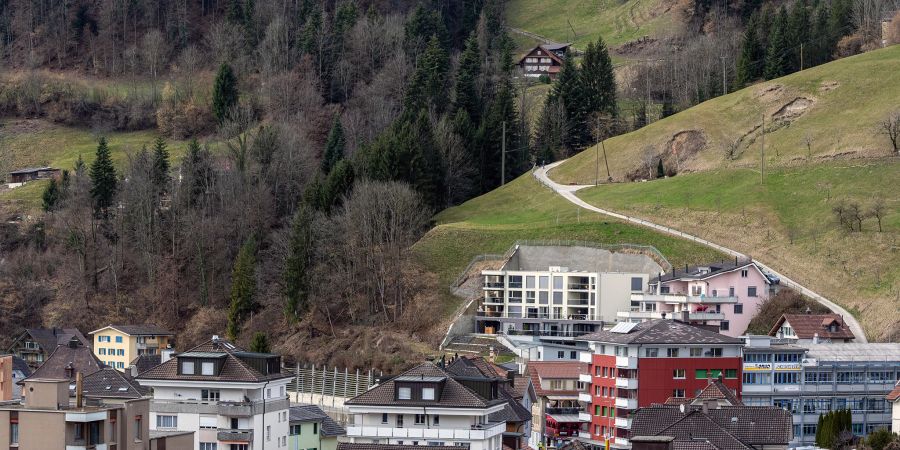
point(544, 79)
point(786, 301)
point(182, 120)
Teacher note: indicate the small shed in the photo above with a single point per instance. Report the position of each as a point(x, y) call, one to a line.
point(33, 173)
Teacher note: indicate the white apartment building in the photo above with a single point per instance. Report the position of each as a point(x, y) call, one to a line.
point(561, 291)
point(232, 399)
point(425, 406)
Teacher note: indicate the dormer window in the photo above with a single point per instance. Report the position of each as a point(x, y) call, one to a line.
point(404, 393)
point(427, 393)
point(187, 367)
point(208, 368)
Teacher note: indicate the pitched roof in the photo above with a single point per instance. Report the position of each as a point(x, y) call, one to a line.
point(110, 383)
point(894, 395)
point(20, 365)
point(453, 393)
point(146, 329)
point(479, 367)
point(79, 358)
point(524, 386)
point(662, 331)
point(702, 272)
point(50, 338)
point(146, 362)
point(716, 389)
point(808, 325)
point(751, 425)
point(353, 446)
point(312, 413)
point(234, 368)
point(554, 370)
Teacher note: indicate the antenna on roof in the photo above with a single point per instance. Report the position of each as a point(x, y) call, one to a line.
point(808, 311)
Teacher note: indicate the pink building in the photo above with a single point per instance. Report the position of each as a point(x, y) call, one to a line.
point(726, 295)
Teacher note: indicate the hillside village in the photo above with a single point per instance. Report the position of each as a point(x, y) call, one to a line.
point(486, 224)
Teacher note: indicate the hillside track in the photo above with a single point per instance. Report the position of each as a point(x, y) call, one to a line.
point(568, 193)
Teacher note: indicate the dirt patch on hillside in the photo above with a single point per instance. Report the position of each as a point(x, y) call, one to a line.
point(682, 147)
point(793, 109)
point(829, 86)
point(23, 126)
point(771, 92)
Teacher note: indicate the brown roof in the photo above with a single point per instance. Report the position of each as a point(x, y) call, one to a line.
point(549, 52)
point(554, 370)
point(453, 393)
point(716, 389)
point(662, 331)
point(234, 369)
point(894, 395)
point(146, 362)
point(726, 427)
point(50, 338)
point(79, 358)
point(808, 325)
point(110, 383)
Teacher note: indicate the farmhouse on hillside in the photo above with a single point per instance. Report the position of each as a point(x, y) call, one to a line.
point(545, 59)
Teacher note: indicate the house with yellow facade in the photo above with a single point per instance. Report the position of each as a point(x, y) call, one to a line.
point(118, 345)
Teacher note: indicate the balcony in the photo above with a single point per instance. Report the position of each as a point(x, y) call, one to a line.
point(584, 377)
point(572, 410)
point(476, 432)
point(584, 397)
point(489, 299)
point(639, 315)
point(626, 362)
point(234, 435)
point(622, 442)
point(683, 298)
point(86, 447)
point(626, 403)
point(706, 316)
point(235, 409)
point(584, 417)
point(494, 285)
point(579, 286)
point(626, 383)
point(623, 422)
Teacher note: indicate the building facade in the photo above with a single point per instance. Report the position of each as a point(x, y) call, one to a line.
point(35, 345)
point(556, 413)
point(12, 370)
point(561, 291)
point(118, 345)
point(425, 406)
point(545, 59)
point(726, 295)
point(812, 379)
point(634, 365)
point(894, 398)
point(812, 328)
point(230, 398)
point(312, 429)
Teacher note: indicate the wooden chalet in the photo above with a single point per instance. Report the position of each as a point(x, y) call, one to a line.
point(545, 59)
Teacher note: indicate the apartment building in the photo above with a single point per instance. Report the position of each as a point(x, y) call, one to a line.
point(556, 413)
point(425, 406)
point(118, 345)
point(66, 362)
point(809, 328)
point(34, 345)
point(894, 398)
point(815, 378)
point(312, 429)
point(230, 398)
point(560, 290)
point(726, 295)
point(634, 365)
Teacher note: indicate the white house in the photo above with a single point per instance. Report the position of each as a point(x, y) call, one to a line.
point(232, 399)
point(425, 406)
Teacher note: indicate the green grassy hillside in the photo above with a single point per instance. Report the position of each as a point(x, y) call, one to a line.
point(583, 21)
point(846, 100)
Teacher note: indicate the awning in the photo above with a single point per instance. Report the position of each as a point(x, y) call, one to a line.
point(565, 418)
point(562, 397)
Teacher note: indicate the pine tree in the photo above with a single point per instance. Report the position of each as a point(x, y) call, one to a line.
point(295, 275)
point(198, 171)
point(422, 25)
point(260, 343)
point(490, 138)
point(569, 90)
point(309, 34)
point(598, 80)
point(243, 288)
point(225, 92)
point(79, 166)
point(160, 170)
point(776, 53)
point(748, 61)
point(467, 98)
point(234, 12)
point(798, 34)
point(337, 185)
point(428, 85)
point(248, 15)
point(103, 179)
point(50, 196)
point(334, 146)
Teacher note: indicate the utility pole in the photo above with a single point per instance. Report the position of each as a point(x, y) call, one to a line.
point(603, 144)
point(762, 151)
point(503, 156)
point(801, 56)
point(724, 88)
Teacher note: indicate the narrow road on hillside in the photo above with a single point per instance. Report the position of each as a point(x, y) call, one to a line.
point(568, 192)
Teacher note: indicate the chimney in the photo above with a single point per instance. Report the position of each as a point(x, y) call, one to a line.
point(69, 371)
point(134, 370)
point(815, 339)
point(79, 390)
point(166, 354)
point(74, 342)
point(808, 311)
point(511, 377)
point(705, 407)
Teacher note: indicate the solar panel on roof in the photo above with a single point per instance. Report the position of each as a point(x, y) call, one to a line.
point(623, 327)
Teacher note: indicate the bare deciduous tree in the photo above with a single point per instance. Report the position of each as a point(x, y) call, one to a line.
point(890, 127)
point(648, 160)
point(878, 211)
point(153, 51)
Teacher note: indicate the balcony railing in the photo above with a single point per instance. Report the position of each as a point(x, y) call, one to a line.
point(584, 397)
point(626, 403)
point(227, 408)
point(622, 442)
point(475, 432)
point(627, 383)
point(584, 417)
point(555, 333)
point(683, 298)
point(626, 362)
point(494, 285)
point(584, 378)
point(234, 435)
point(533, 315)
point(579, 286)
point(623, 422)
point(567, 410)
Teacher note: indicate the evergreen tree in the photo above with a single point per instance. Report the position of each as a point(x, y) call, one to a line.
point(840, 22)
point(260, 343)
point(428, 85)
point(337, 185)
point(314, 195)
point(243, 288)
point(776, 53)
point(103, 179)
point(334, 146)
point(820, 47)
point(467, 98)
point(598, 80)
point(160, 170)
point(197, 167)
point(295, 275)
point(798, 34)
point(569, 90)
point(249, 24)
point(490, 137)
point(50, 196)
point(309, 34)
point(235, 12)
point(225, 92)
point(79, 166)
point(748, 61)
point(422, 25)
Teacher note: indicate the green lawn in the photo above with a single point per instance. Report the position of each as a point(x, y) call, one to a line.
point(582, 21)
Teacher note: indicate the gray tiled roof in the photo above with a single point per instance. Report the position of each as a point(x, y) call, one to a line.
point(146, 362)
point(478, 367)
point(750, 425)
point(80, 358)
point(694, 273)
point(233, 368)
point(312, 413)
point(110, 383)
point(142, 330)
point(50, 338)
point(453, 394)
point(662, 331)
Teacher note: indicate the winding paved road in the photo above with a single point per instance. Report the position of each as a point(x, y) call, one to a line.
point(568, 192)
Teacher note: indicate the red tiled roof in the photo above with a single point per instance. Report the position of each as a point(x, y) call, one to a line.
point(894, 395)
point(717, 390)
point(807, 325)
point(554, 370)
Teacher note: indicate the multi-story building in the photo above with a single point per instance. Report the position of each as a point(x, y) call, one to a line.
point(545, 59)
point(12, 370)
point(812, 328)
point(35, 345)
point(894, 398)
point(726, 294)
point(811, 379)
point(634, 365)
point(425, 406)
point(555, 414)
point(231, 398)
point(118, 345)
point(312, 429)
point(560, 290)
point(66, 362)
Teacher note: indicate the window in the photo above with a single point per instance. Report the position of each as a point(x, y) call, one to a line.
point(731, 373)
point(723, 325)
point(543, 297)
point(850, 377)
point(102, 351)
point(315, 428)
point(384, 418)
point(785, 403)
point(282, 391)
point(715, 352)
point(881, 377)
point(757, 357)
point(787, 357)
point(120, 365)
point(404, 393)
point(268, 432)
point(209, 395)
point(104, 338)
point(672, 352)
point(652, 352)
point(165, 421)
point(695, 352)
point(701, 374)
point(208, 422)
point(269, 393)
point(787, 378)
point(544, 282)
point(678, 374)
point(751, 291)
point(420, 419)
point(529, 282)
point(118, 339)
point(757, 378)
point(744, 273)
point(120, 352)
point(427, 393)
point(207, 368)
point(818, 377)
point(715, 373)
point(560, 355)
point(208, 446)
point(678, 393)
point(529, 296)
point(573, 354)
point(436, 420)
point(557, 298)
point(597, 390)
point(637, 284)
point(187, 367)
point(557, 282)
point(809, 429)
point(137, 427)
point(14, 433)
point(399, 420)
point(738, 308)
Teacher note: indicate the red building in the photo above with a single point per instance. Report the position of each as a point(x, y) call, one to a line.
point(634, 365)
